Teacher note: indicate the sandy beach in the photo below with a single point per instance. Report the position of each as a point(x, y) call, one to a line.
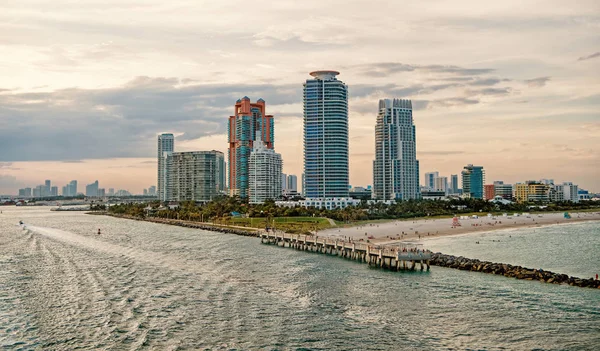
point(417, 230)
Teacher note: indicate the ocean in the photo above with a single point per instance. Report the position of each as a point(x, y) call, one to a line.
point(146, 286)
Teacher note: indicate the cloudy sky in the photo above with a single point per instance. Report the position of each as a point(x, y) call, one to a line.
point(86, 86)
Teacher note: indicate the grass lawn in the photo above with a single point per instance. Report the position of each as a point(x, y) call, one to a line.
point(288, 224)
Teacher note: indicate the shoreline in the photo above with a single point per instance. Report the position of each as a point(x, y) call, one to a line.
point(420, 230)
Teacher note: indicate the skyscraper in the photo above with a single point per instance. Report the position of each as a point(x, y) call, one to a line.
point(249, 120)
point(325, 136)
point(166, 145)
point(430, 179)
point(395, 168)
point(292, 183)
point(92, 189)
point(454, 184)
point(473, 178)
point(194, 176)
point(265, 176)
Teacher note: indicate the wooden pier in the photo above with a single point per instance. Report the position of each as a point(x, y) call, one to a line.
point(403, 257)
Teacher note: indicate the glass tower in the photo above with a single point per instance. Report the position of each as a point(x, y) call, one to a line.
point(473, 178)
point(325, 136)
point(166, 143)
point(248, 120)
point(395, 169)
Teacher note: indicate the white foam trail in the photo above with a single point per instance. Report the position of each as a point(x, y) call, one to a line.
point(152, 258)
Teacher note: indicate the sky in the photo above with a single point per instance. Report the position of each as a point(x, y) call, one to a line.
point(86, 87)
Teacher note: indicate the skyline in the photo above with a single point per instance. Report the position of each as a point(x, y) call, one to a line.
point(87, 97)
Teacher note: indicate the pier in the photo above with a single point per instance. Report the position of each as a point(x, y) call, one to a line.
point(401, 257)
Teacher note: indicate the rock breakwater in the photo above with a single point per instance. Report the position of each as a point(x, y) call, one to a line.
point(507, 270)
point(195, 225)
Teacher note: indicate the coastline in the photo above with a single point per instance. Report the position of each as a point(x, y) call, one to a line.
point(423, 229)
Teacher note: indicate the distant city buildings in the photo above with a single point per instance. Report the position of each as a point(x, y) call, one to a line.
point(473, 178)
point(166, 145)
point(194, 176)
point(152, 190)
point(505, 191)
point(249, 120)
point(325, 139)
point(454, 190)
point(265, 177)
point(430, 179)
point(292, 184)
point(91, 190)
point(395, 168)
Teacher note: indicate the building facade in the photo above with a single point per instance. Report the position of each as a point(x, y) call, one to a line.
point(92, 189)
point(194, 176)
point(473, 178)
point(326, 170)
point(503, 190)
point(454, 184)
point(292, 183)
point(395, 168)
point(265, 178)
point(249, 120)
point(430, 179)
point(489, 192)
point(166, 145)
point(571, 192)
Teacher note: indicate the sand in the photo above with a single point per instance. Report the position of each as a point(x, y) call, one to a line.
point(420, 229)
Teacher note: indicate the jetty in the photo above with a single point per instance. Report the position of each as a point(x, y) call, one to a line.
point(402, 256)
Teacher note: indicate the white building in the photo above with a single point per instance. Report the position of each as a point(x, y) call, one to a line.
point(166, 145)
point(395, 168)
point(194, 176)
point(441, 184)
point(571, 192)
point(330, 203)
point(264, 178)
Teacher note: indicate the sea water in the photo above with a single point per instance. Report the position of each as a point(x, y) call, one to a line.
point(146, 286)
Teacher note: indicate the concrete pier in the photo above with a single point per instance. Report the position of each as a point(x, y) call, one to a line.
point(393, 258)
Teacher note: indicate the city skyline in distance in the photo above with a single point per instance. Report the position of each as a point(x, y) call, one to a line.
point(523, 108)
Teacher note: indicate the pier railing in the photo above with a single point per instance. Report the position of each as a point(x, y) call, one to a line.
point(385, 256)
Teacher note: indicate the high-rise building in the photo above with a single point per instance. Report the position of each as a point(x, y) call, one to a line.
point(21, 192)
point(65, 190)
point(166, 145)
point(38, 190)
point(503, 190)
point(265, 178)
point(92, 189)
point(194, 176)
point(326, 173)
point(430, 179)
point(441, 184)
point(27, 192)
point(249, 120)
point(489, 192)
point(473, 178)
point(395, 169)
point(71, 189)
point(54, 191)
point(47, 190)
point(145, 192)
point(532, 191)
point(111, 191)
point(571, 192)
point(283, 182)
point(101, 192)
point(292, 183)
point(454, 184)
point(152, 190)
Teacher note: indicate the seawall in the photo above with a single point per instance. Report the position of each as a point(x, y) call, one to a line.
point(507, 270)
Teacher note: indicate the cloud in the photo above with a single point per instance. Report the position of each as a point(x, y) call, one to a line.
point(384, 69)
point(70, 124)
point(440, 153)
point(594, 55)
point(537, 82)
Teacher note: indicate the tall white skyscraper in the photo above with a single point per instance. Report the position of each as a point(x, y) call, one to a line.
point(265, 176)
point(395, 168)
point(166, 144)
point(325, 136)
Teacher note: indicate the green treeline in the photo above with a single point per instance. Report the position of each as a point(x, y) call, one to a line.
point(223, 207)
